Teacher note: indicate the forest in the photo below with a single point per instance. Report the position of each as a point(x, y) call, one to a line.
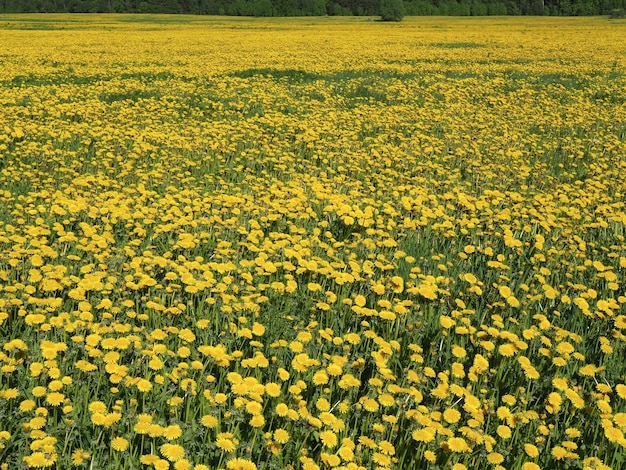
point(320, 7)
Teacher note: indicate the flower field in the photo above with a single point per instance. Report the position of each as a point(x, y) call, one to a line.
point(312, 243)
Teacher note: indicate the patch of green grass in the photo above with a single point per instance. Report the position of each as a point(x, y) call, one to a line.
point(458, 45)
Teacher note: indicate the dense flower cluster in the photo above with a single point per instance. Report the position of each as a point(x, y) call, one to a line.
point(300, 243)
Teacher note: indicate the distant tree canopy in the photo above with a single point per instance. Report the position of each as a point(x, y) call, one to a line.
point(391, 10)
point(321, 7)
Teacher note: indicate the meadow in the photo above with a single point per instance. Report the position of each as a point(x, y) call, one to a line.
point(312, 243)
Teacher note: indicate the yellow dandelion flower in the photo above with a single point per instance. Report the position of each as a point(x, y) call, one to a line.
point(509, 399)
point(240, 464)
point(458, 444)
point(149, 459)
point(254, 407)
point(397, 284)
point(560, 383)
point(156, 363)
point(369, 404)
point(613, 434)
point(328, 438)
point(98, 419)
point(531, 373)
point(574, 398)
point(381, 459)
point(503, 412)
point(530, 466)
point(330, 460)
point(620, 322)
point(618, 418)
point(272, 389)
point(79, 456)
point(227, 445)
point(386, 400)
point(12, 393)
point(430, 456)
point(505, 291)
point(313, 421)
point(555, 400)
point(507, 349)
point(161, 464)
point(112, 418)
point(558, 452)
point(387, 448)
point(512, 301)
point(378, 289)
point(334, 369)
point(504, 431)
point(446, 322)
point(281, 436)
point(27, 405)
point(282, 409)
point(37, 422)
point(320, 378)
point(257, 421)
point(119, 444)
point(144, 385)
point(604, 406)
point(322, 404)
point(36, 459)
point(531, 450)
point(220, 398)
point(172, 432)
point(495, 458)
point(564, 348)
point(451, 415)
point(182, 464)
point(588, 370)
point(387, 315)
point(258, 329)
point(314, 287)
point(458, 351)
point(172, 452)
point(346, 453)
point(458, 370)
point(368, 442)
point(209, 421)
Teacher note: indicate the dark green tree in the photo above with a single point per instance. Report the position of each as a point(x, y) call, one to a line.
point(391, 10)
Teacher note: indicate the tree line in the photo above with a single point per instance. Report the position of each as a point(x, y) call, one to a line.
point(319, 7)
